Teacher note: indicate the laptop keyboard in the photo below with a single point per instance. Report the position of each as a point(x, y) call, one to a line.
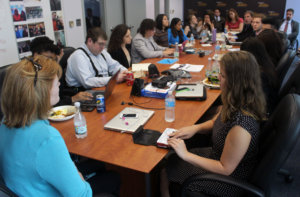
point(93, 101)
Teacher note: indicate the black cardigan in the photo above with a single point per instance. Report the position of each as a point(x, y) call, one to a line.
point(120, 56)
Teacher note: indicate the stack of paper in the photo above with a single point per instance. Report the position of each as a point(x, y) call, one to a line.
point(188, 67)
point(140, 67)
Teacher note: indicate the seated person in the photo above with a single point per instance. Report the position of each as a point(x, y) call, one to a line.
point(44, 46)
point(273, 44)
point(119, 45)
point(235, 131)
point(233, 21)
point(192, 24)
point(219, 21)
point(208, 25)
point(91, 65)
point(268, 74)
point(143, 44)
point(161, 33)
point(175, 33)
point(34, 158)
point(247, 28)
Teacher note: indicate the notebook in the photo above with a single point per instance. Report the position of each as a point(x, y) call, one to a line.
point(190, 92)
point(135, 118)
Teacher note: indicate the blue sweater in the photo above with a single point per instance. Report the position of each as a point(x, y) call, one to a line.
point(34, 161)
point(173, 40)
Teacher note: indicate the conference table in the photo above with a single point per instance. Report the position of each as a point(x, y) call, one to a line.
point(117, 148)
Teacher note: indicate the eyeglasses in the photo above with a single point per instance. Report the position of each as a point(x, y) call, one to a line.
point(37, 67)
point(101, 44)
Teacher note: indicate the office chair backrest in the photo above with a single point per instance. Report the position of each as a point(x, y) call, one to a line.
point(291, 82)
point(64, 62)
point(278, 139)
point(284, 64)
point(2, 75)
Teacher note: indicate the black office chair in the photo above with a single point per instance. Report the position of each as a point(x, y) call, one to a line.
point(63, 63)
point(284, 64)
point(285, 44)
point(5, 191)
point(2, 75)
point(278, 139)
point(291, 82)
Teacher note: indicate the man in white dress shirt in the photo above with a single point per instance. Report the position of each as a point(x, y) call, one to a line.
point(91, 65)
point(290, 26)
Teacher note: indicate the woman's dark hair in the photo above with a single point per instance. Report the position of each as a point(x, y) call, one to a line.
point(116, 37)
point(146, 24)
point(273, 44)
point(247, 95)
point(43, 44)
point(159, 20)
point(173, 29)
point(257, 48)
point(235, 13)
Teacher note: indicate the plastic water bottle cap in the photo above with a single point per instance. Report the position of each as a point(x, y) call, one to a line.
point(209, 59)
point(77, 104)
point(170, 92)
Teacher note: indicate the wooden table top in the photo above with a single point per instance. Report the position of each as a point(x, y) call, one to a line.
point(117, 148)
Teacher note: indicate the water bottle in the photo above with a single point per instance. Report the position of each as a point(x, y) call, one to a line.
point(215, 66)
point(170, 107)
point(225, 31)
point(214, 36)
point(79, 123)
point(192, 40)
point(217, 50)
point(176, 52)
point(208, 68)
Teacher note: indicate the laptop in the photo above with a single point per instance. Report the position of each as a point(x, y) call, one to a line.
point(228, 42)
point(129, 120)
point(91, 104)
point(194, 92)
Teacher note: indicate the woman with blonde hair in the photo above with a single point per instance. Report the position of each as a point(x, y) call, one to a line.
point(235, 131)
point(34, 158)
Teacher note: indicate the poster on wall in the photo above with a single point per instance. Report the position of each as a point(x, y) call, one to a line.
point(34, 12)
point(55, 5)
point(60, 38)
point(24, 48)
point(18, 12)
point(36, 29)
point(21, 31)
point(57, 20)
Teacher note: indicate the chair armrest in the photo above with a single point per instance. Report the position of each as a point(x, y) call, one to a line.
point(223, 179)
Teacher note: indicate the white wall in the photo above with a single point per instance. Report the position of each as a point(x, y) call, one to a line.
point(150, 9)
point(73, 10)
point(113, 14)
point(135, 12)
point(175, 9)
point(8, 43)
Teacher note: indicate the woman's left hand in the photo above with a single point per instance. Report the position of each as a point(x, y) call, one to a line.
point(179, 146)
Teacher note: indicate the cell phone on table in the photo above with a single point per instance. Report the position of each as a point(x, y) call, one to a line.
point(129, 115)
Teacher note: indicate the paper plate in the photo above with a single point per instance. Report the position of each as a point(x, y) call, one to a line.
point(207, 83)
point(60, 113)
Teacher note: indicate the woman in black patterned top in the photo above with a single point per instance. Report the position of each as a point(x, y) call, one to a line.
point(235, 131)
point(161, 33)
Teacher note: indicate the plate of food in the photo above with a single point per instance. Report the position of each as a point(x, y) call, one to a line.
point(62, 113)
point(212, 82)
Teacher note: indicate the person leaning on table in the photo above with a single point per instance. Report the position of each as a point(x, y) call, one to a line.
point(143, 45)
point(34, 158)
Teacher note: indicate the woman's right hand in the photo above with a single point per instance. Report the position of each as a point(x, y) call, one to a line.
point(168, 51)
point(185, 132)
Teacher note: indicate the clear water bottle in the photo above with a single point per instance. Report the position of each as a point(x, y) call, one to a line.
point(217, 50)
point(176, 52)
point(208, 67)
point(79, 123)
point(225, 31)
point(192, 40)
point(170, 107)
